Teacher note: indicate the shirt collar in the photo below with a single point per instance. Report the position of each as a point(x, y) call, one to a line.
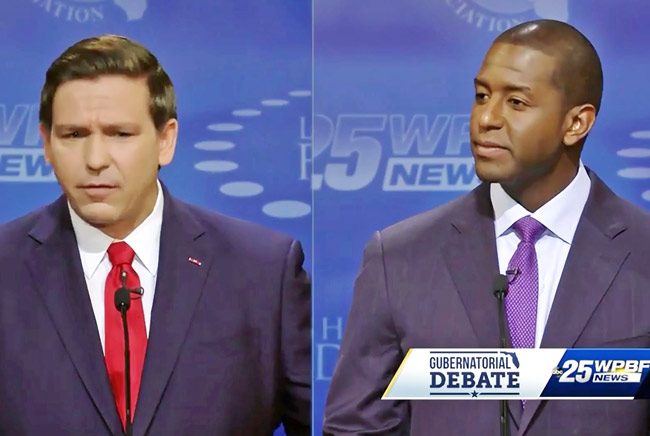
point(144, 239)
point(560, 215)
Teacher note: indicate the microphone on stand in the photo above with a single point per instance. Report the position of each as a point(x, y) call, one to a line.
point(500, 289)
point(122, 304)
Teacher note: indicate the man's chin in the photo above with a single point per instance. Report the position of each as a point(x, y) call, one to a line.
point(97, 214)
point(491, 172)
point(489, 176)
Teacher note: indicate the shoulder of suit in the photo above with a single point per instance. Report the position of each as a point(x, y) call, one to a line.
point(15, 239)
point(636, 218)
point(435, 221)
point(238, 230)
point(614, 208)
point(18, 228)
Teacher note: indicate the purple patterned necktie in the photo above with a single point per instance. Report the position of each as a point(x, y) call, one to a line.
point(521, 299)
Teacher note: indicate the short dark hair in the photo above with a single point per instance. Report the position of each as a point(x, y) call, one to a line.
point(579, 73)
point(110, 55)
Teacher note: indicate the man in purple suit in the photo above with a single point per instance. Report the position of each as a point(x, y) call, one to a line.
point(218, 310)
point(427, 281)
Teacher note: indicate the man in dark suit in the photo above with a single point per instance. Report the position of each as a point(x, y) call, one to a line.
point(427, 281)
point(219, 316)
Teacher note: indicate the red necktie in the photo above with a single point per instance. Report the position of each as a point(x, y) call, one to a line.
point(121, 257)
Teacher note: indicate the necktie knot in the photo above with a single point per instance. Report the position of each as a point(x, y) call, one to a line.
point(528, 229)
point(120, 253)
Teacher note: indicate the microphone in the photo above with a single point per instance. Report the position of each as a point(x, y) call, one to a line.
point(122, 299)
point(122, 295)
point(500, 289)
point(122, 304)
point(512, 274)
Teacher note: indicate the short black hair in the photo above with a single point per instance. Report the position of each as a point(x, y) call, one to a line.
point(579, 74)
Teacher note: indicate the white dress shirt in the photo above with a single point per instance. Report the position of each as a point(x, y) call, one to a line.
point(144, 240)
point(560, 216)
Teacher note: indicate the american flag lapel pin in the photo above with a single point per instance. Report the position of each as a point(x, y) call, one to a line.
point(194, 261)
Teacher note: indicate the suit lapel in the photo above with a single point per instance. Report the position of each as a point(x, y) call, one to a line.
point(593, 262)
point(472, 263)
point(56, 270)
point(178, 288)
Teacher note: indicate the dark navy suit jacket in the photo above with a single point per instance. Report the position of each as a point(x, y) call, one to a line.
point(426, 283)
point(229, 343)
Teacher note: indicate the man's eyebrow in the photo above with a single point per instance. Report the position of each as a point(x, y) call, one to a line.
point(108, 126)
point(66, 127)
point(509, 87)
point(120, 125)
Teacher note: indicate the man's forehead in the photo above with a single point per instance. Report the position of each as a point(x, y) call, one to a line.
point(111, 97)
point(525, 62)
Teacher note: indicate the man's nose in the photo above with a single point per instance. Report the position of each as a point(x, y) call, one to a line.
point(490, 115)
point(96, 153)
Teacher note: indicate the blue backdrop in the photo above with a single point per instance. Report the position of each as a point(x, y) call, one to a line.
point(392, 94)
point(392, 80)
point(242, 73)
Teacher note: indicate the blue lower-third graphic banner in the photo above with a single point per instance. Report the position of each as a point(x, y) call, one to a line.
point(546, 373)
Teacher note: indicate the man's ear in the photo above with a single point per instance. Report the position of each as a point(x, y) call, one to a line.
point(577, 123)
point(45, 133)
point(167, 142)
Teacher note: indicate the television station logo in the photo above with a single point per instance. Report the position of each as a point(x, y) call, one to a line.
point(499, 15)
point(91, 11)
point(605, 373)
point(601, 371)
point(419, 152)
point(21, 155)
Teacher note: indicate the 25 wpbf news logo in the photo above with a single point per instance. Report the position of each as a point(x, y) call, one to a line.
point(601, 371)
point(404, 153)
